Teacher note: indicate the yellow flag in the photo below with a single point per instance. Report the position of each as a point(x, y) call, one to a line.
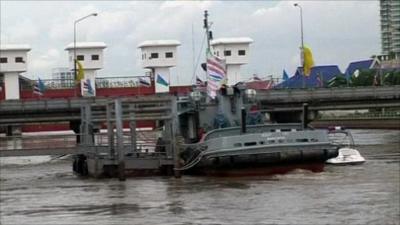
point(308, 61)
point(80, 74)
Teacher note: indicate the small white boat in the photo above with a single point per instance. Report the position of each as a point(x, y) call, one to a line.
point(347, 156)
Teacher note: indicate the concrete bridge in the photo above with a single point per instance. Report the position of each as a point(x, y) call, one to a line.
point(277, 102)
point(286, 104)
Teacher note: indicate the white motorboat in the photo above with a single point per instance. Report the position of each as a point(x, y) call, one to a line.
point(347, 156)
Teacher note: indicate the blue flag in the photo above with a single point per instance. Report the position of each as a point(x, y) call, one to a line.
point(88, 86)
point(39, 87)
point(285, 76)
point(161, 80)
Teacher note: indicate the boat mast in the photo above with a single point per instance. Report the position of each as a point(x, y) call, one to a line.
point(208, 32)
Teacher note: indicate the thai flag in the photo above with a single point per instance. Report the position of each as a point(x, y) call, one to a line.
point(39, 87)
point(88, 86)
point(216, 74)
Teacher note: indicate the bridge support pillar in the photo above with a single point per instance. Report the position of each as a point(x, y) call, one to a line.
point(74, 126)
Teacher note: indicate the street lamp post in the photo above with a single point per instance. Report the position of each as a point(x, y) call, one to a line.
point(302, 39)
point(75, 59)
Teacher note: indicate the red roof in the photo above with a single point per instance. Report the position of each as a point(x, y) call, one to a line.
point(259, 84)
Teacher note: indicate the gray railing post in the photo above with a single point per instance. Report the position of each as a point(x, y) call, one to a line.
point(110, 130)
point(132, 126)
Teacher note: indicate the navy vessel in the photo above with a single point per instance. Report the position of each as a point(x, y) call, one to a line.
point(226, 134)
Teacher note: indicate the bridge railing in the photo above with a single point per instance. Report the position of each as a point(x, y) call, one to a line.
point(101, 82)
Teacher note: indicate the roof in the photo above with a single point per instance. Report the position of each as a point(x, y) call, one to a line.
point(237, 40)
point(259, 84)
point(158, 43)
point(358, 65)
point(83, 45)
point(325, 72)
point(15, 47)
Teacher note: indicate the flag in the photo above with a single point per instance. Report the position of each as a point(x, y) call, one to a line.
point(308, 61)
point(161, 80)
point(319, 80)
point(80, 75)
point(285, 76)
point(87, 86)
point(199, 82)
point(216, 74)
point(143, 82)
point(39, 87)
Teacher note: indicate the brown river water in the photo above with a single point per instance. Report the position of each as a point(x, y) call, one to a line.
point(49, 193)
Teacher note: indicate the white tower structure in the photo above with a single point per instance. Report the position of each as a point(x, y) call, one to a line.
point(13, 61)
point(236, 53)
point(159, 56)
point(90, 55)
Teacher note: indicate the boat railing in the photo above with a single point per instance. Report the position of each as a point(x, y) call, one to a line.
point(230, 131)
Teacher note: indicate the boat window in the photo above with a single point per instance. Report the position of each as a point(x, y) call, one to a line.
point(280, 140)
point(271, 141)
point(314, 140)
point(272, 130)
point(242, 52)
point(80, 57)
point(237, 145)
point(285, 130)
point(262, 142)
point(302, 140)
point(250, 143)
point(3, 60)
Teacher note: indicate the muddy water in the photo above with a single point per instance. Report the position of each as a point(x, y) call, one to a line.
point(48, 193)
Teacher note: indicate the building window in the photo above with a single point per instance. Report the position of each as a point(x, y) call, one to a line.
point(3, 60)
point(95, 57)
point(19, 60)
point(80, 57)
point(169, 55)
point(154, 56)
point(242, 52)
point(227, 53)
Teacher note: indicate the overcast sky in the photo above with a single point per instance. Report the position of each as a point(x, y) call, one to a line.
point(338, 32)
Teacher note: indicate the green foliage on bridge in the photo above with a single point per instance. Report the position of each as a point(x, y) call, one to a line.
point(371, 77)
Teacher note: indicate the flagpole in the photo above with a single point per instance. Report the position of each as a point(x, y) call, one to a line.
point(302, 40)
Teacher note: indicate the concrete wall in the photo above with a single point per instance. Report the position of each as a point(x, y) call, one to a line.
point(11, 85)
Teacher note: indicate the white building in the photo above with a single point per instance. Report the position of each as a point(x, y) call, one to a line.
point(236, 53)
point(90, 55)
point(13, 61)
point(159, 56)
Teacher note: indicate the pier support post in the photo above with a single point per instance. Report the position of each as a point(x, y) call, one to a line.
point(120, 140)
point(173, 133)
point(305, 116)
point(110, 131)
point(132, 126)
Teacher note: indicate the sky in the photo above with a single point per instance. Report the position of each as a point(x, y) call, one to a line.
point(337, 32)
